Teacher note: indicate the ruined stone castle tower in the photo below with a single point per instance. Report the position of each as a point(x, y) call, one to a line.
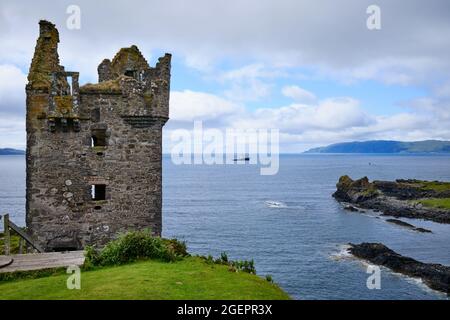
point(93, 152)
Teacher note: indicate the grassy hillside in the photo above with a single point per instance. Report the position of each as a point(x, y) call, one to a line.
point(9, 151)
point(381, 146)
point(190, 278)
point(443, 203)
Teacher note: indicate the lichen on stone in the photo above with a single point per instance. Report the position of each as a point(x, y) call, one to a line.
point(128, 59)
point(64, 104)
point(45, 60)
point(148, 98)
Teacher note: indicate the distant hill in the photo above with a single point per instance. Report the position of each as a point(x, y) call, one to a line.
point(383, 146)
point(9, 151)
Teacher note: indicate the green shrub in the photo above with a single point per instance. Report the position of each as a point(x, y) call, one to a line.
point(244, 265)
point(92, 258)
point(178, 247)
point(234, 266)
point(269, 278)
point(210, 259)
point(133, 246)
point(224, 257)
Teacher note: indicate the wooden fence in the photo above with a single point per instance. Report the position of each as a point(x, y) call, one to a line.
point(9, 227)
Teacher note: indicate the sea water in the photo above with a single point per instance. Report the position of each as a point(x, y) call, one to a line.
point(288, 223)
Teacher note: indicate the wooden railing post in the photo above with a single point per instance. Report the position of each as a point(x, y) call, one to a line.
point(7, 234)
point(23, 236)
point(20, 245)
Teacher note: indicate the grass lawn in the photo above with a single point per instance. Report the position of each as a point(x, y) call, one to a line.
point(443, 203)
point(432, 185)
point(190, 278)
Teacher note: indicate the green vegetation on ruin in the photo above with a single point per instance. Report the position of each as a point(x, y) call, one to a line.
point(64, 104)
point(109, 86)
point(148, 99)
point(128, 57)
point(98, 148)
point(442, 203)
point(45, 59)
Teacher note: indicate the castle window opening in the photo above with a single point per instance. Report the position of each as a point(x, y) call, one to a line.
point(131, 73)
point(98, 138)
point(70, 83)
point(98, 192)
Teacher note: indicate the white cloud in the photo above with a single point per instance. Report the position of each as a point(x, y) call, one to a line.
point(263, 36)
point(336, 41)
point(251, 71)
point(298, 94)
point(12, 90)
point(332, 120)
point(330, 114)
point(189, 105)
point(251, 82)
point(443, 91)
point(12, 131)
point(306, 125)
point(437, 106)
point(251, 90)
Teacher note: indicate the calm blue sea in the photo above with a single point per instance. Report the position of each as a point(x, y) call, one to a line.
point(224, 208)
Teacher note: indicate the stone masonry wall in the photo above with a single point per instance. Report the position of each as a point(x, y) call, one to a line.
point(127, 109)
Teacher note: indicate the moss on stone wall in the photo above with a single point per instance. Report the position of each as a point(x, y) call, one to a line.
point(110, 86)
point(45, 59)
point(148, 98)
point(128, 58)
point(64, 104)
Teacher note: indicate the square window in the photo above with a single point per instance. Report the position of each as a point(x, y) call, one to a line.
point(98, 138)
point(98, 192)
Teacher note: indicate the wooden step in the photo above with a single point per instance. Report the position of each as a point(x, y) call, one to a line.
point(46, 260)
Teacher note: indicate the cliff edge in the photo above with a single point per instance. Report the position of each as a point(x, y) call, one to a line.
point(429, 200)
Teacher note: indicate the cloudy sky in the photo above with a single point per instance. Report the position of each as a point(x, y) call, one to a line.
point(311, 69)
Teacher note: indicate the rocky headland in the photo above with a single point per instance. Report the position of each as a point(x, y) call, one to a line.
point(429, 200)
point(436, 276)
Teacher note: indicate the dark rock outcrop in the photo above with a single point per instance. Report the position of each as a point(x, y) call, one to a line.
point(436, 276)
point(398, 199)
point(407, 225)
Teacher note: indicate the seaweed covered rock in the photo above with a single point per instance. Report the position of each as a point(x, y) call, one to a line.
point(408, 225)
point(436, 276)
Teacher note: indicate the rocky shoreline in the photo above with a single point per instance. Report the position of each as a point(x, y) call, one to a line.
point(436, 276)
point(408, 225)
point(400, 198)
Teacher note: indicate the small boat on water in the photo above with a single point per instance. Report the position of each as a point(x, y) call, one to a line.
point(244, 158)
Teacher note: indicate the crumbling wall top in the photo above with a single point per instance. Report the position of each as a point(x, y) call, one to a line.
point(128, 60)
point(45, 60)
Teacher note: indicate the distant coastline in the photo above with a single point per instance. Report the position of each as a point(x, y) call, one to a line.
point(11, 152)
point(386, 146)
